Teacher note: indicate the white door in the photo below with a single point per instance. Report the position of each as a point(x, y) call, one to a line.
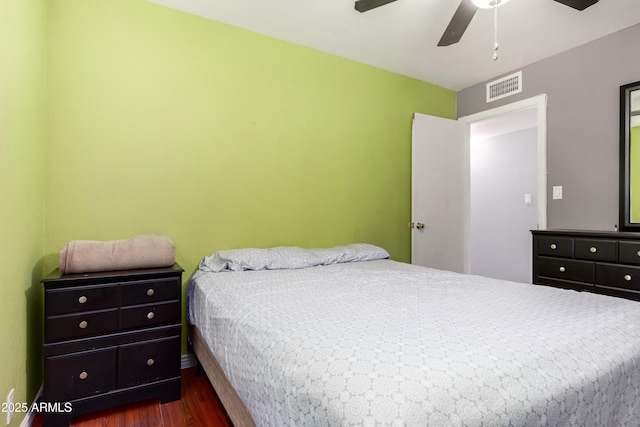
point(440, 182)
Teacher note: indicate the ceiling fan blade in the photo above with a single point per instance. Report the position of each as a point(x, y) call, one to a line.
point(364, 5)
point(578, 4)
point(458, 23)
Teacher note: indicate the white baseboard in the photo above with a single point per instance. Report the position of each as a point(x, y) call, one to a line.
point(30, 417)
point(188, 361)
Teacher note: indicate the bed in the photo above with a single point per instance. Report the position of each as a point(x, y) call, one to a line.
point(346, 336)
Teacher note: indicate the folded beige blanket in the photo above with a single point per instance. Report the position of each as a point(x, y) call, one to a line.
point(145, 251)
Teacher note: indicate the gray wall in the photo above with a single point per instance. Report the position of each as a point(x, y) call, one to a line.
point(582, 85)
point(503, 170)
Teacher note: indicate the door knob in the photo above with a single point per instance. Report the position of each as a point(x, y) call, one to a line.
point(419, 226)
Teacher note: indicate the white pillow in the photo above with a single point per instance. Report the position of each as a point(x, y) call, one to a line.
point(289, 257)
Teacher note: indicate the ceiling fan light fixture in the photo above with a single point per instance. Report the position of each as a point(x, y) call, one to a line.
point(488, 4)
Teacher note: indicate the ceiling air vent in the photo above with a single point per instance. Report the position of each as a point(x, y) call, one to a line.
point(505, 86)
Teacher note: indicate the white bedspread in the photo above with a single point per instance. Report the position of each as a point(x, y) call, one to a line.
point(387, 343)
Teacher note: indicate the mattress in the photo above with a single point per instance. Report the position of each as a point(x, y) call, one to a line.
point(386, 343)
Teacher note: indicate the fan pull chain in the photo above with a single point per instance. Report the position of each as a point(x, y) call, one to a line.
point(495, 31)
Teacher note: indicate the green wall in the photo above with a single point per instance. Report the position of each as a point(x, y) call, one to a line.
point(160, 121)
point(22, 135)
point(122, 117)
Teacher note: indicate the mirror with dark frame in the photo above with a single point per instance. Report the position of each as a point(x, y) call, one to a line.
point(630, 157)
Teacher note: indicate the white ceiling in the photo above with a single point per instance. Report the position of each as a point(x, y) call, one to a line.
point(402, 36)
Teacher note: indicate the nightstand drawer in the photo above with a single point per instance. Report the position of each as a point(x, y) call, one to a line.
point(81, 325)
point(82, 298)
point(629, 252)
point(556, 246)
point(150, 291)
point(80, 374)
point(620, 276)
point(597, 250)
point(142, 316)
point(148, 361)
point(111, 338)
point(565, 269)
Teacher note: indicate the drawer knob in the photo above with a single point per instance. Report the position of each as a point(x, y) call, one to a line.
point(562, 269)
point(83, 324)
point(593, 249)
point(553, 246)
point(150, 315)
point(82, 299)
point(638, 253)
point(150, 292)
point(83, 375)
point(150, 362)
point(627, 277)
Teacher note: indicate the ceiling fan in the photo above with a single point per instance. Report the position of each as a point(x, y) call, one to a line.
point(465, 12)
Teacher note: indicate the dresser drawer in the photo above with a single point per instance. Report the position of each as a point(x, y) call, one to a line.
point(148, 361)
point(597, 250)
point(76, 375)
point(150, 291)
point(555, 246)
point(142, 316)
point(629, 252)
point(566, 269)
point(619, 276)
point(81, 325)
point(81, 298)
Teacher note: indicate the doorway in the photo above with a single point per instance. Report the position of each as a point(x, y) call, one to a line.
point(440, 188)
point(507, 191)
point(503, 195)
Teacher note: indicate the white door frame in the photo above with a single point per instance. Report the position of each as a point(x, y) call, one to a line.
point(539, 102)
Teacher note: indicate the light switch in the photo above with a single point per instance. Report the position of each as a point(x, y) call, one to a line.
point(527, 199)
point(557, 192)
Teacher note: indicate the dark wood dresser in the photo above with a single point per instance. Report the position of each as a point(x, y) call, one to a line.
point(594, 261)
point(110, 338)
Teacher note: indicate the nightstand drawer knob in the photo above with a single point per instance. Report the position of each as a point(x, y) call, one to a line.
point(562, 269)
point(150, 315)
point(150, 362)
point(593, 249)
point(83, 324)
point(150, 292)
point(83, 375)
point(627, 277)
point(553, 246)
point(82, 299)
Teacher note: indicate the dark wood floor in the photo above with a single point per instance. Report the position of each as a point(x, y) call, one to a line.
point(199, 406)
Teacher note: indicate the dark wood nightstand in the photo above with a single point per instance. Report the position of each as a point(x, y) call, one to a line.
point(110, 338)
